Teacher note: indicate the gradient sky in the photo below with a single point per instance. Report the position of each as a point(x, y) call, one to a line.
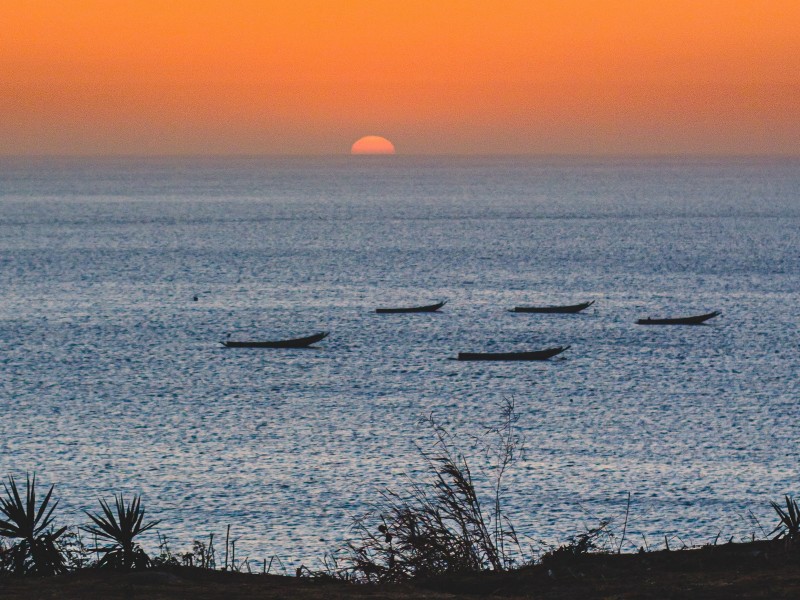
point(439, 76)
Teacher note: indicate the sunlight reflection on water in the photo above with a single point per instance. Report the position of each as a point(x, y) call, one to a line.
point(114, 380)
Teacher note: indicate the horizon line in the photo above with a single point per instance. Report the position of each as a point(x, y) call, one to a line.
point(387, 157)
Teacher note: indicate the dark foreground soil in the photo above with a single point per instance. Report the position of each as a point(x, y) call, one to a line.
point(754, 570)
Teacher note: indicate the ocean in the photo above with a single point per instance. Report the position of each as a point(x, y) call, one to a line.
point(113, 378)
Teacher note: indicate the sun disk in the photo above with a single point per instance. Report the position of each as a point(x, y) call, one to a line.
point(372, 144)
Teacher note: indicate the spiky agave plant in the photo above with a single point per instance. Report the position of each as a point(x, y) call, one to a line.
point(120, 529)
point(789, 527)
point(36, 552)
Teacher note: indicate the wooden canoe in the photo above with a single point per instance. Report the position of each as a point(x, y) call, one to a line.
point(570, 308)
point(695, 320)
point(536, 355)
point(412, 309)
point(303, 342)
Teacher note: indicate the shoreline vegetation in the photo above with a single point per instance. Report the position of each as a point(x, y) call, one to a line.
point(439, 538)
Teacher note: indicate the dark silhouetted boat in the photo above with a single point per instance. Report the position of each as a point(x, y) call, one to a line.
point(696, 320)
point(303, 342)
point(570, 308)
point(412, 309)
point(537, 355)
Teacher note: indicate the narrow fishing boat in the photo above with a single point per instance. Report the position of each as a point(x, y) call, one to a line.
point(412, 309)
point(570, 308)
point(695, 320)
point(303, 342)
point(535, 355)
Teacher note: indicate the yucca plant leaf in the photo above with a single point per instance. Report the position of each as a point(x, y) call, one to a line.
point(30, 511)
point(14, 509)
point(48, 518)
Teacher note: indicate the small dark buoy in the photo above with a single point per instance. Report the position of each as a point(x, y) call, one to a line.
point(194, 298)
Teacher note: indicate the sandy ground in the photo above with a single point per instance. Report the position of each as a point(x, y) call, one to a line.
point(757, 570)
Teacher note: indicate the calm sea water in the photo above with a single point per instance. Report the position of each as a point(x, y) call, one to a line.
point(112, 378)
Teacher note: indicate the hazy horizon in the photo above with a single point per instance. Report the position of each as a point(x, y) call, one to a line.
point(402, 155)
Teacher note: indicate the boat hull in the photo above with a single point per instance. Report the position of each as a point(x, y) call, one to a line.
point(572, 308)
point(303, 342)
point(695, 320)
point(412, 309)
point(509, 356)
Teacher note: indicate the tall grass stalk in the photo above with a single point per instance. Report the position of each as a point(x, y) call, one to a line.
point(439, 526)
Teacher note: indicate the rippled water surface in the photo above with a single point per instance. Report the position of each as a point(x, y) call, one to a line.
point(112, 378)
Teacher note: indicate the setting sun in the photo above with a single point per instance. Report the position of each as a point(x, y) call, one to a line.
point(451, 77)
point(372, 144)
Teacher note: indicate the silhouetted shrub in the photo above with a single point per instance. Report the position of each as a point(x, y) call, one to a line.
point(120, 529)
point(789, 526)
point(35, 551)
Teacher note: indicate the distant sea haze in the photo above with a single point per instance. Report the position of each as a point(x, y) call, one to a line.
point(113, 378)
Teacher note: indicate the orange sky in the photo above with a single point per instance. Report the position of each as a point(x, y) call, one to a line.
point(434, 76)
